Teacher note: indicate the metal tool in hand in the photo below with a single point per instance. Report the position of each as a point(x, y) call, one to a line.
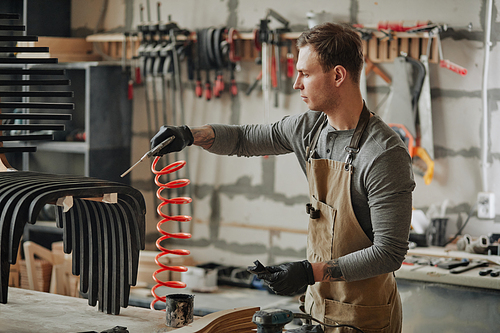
point(152, 152)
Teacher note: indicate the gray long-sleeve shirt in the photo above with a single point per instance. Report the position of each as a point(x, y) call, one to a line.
point(382, 181)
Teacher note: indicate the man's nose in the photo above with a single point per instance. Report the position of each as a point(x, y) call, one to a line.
point(297, 84)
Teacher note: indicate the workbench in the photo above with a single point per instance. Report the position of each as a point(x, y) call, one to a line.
point(34, 311)
point(427, 273)
point(434, 300)
point(27, 309)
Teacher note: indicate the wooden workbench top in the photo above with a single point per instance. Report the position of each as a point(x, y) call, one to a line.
point(427, 273)
point(32, 311)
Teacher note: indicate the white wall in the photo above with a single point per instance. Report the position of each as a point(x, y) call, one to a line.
point(230, 191)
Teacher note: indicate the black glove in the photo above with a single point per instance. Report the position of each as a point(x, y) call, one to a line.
point(285, 279)
point(183, 138)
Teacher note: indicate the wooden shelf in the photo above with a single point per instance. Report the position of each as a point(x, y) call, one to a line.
point(378, 49)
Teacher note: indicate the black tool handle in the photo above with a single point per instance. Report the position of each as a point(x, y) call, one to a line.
point(469, 267)
point(495, 272)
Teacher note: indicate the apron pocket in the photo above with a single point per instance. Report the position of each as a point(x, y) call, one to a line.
point(369, 318)
point(320, 232)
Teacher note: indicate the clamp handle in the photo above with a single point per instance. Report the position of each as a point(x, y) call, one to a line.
point(445, 63)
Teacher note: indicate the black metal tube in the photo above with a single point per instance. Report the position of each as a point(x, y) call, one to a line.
point(31, 71)
point(32, 127)
point(12, 27)
point(21, 149)
point(28, 60)
point(35, 82)
point(23, 49)
point(18, 38)
point(27, 137)
point(9, 16)
point(20, 105)
point(36, 94)
point(43, 116)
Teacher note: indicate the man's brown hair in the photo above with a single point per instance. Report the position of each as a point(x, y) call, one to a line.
point(335, 44)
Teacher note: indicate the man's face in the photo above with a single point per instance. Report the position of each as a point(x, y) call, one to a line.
point(317, 88)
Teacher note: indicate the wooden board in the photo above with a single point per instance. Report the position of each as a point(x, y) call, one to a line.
point(237, 320)
point(29, 311)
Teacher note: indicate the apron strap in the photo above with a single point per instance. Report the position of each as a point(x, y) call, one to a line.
point(311, 149)
point(353, 147)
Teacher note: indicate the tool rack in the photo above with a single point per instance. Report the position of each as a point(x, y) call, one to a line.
point(380, 48)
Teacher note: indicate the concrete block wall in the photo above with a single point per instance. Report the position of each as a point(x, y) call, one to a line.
point(253, 208)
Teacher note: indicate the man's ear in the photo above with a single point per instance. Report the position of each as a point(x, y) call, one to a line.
point(340, 75)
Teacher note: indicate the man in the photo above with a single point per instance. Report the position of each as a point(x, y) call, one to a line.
point(360, 183)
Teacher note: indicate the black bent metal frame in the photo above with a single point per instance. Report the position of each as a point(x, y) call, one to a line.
point(103, 238)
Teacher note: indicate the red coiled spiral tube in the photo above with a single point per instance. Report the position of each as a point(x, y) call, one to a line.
point(165, 218)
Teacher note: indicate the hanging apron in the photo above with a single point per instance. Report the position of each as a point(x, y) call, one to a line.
point(371, 304)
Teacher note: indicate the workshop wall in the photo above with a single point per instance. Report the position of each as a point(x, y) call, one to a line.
point(253, 208)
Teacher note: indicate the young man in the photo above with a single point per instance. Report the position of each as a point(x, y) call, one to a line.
point(360, 183)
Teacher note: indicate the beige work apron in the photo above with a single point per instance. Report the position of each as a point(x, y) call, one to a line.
point(372, 304)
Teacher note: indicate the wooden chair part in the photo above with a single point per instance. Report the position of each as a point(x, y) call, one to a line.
point(237, 320)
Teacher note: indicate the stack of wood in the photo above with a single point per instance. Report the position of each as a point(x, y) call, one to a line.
point(42, 274)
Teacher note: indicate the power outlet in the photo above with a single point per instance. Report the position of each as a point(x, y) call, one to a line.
point(486, 205)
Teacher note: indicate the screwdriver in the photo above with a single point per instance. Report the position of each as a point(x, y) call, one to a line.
point(152, 152)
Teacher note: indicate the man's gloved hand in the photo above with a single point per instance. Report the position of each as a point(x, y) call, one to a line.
point(183, 138)
point(285, 279)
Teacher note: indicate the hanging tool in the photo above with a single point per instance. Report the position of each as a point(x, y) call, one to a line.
point(445, 63)
point(204, 50)
point(266, 39)
point(150, 153)
point(233, 59)
point(254, 84)
point(400, 114)
point(127, 66)
point(276, 66)
point(425, 107)
point(178, 86)
point(290, 62)
point(136, 74)
point(199, 89)
point(219, 48)
point(369, 67)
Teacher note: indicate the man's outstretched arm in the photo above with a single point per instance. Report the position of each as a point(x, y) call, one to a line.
point(204, 136)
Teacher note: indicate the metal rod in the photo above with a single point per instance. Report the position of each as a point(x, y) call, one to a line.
point(17, 105)
point(36, 94)
point(27, 137)
point(21, 149)
point(35, 82)
point(24, 49)
point(10, 16)
point(31, 127)
point(487, 48)
point(28, 60)
point(18, 38)
point(12, 27)
point(15, 71)
point(45, 116)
